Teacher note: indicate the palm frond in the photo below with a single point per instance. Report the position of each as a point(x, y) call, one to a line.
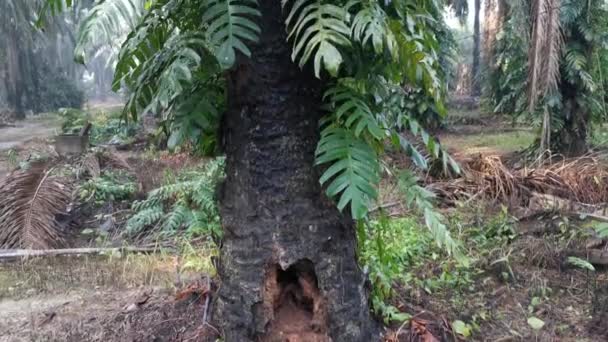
point(105, 21)
point(30, 201)
point(545, 50)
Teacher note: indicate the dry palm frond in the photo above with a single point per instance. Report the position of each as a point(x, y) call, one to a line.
point(583, 180)
point(113, 159)
point(552, 48)
point(90, 165)
point(29, 201)
point(544, 58)
point(491, 174)
point(545, 50)
point(535, 50)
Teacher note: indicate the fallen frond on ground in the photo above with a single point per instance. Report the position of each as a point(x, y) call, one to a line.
point(583, 180)
point(30, 201)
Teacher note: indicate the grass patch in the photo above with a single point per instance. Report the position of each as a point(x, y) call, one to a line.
point(62, 274)
point(499, 143)
point(599, 137)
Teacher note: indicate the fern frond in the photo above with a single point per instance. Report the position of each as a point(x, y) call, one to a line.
point(352, 109)
point(230, 27)
point(179, 216)
point(320, 29)
point(144, 218)
point(581, 263)
point(353, 172)
point(371, 23)
point(190, 202)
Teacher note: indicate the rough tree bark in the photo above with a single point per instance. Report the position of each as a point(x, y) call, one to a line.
point(476, 87)
point(571, 140)
point(288, 261)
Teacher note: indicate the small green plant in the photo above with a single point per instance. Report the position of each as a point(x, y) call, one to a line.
point(188, 202)
point(110, 186)
point(422, 199)
point(72, 120)
point(398, 251)
point(12, 158)
point(580, 263)
point(106, 125)
point(387, 247)
point(496, 231)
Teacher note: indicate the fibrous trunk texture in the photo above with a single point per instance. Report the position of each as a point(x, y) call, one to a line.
point(288, 261)
point(476, 87)
point(571, 139)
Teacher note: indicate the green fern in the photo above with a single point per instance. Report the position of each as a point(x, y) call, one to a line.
point(188, 204)
point(144, 218)
point(353, 110)
point(581, 263)
point(229, 27)
point(319, 29)
point(353, 171)
point(371, 23)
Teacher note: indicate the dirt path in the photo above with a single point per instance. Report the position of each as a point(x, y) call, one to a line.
point(20, 133)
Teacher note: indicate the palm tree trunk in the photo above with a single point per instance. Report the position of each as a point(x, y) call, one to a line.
point(288, 262)
point(476, 87)
point(571, 140)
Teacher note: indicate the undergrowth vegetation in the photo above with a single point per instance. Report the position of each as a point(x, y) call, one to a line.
point(106, 126)
point(403, 260)
point(108, 187)
point(186, 201)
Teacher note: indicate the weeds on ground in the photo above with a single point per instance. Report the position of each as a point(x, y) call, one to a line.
point(163, 268)
point(106, 125)
point(109, 187)
point(400, 252)
point(402, 259)
point(599, 137)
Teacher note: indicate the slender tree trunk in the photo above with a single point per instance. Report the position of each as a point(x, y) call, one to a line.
point(476, 87)
point(288, 261)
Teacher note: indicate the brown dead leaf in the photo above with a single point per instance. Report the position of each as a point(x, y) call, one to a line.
point(419, 330)
point(194, 290)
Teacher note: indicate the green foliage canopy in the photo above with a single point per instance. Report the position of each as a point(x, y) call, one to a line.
point(178, 49)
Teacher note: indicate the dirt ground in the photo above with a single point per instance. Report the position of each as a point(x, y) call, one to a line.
point(27, 136)
point(144, 314)
point(94, 298)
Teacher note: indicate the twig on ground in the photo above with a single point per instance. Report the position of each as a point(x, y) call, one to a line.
point(27, 253)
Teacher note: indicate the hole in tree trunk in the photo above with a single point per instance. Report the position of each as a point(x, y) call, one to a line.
point(299, 312)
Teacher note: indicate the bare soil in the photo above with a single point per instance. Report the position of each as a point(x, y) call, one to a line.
point(22, 131)
point(144, 314)
point(101, 298)
point(26, 137)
